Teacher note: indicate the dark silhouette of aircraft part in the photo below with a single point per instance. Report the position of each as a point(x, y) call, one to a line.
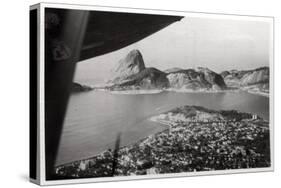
point(75, 35)
point(63, 43)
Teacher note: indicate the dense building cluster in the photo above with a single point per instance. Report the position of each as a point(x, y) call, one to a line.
point(185, 146)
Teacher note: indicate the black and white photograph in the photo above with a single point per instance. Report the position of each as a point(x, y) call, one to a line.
point(132, 93)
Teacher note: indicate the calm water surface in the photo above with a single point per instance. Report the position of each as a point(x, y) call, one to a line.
point(94, 118)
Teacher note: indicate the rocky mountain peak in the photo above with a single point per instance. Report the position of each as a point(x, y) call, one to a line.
point(132, 64)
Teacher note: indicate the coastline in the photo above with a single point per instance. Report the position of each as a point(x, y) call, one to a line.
point(157, 91)
point(160, 109)
point(201, 91)
point(258, 93)
point(106, 88)
point(137, 92)
point(161, 124)
point(180, 132)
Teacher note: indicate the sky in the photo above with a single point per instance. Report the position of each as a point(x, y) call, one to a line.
point(218, 44)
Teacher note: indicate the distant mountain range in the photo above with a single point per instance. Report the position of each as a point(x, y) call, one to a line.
point(256, 80)
point(132, 74)
point(196, 79)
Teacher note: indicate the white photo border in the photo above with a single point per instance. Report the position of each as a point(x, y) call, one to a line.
point(41, 128)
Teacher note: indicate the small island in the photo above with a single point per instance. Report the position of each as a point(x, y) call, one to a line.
point(77, 88)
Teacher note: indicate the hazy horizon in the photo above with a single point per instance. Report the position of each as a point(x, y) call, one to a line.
point(218, 44)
